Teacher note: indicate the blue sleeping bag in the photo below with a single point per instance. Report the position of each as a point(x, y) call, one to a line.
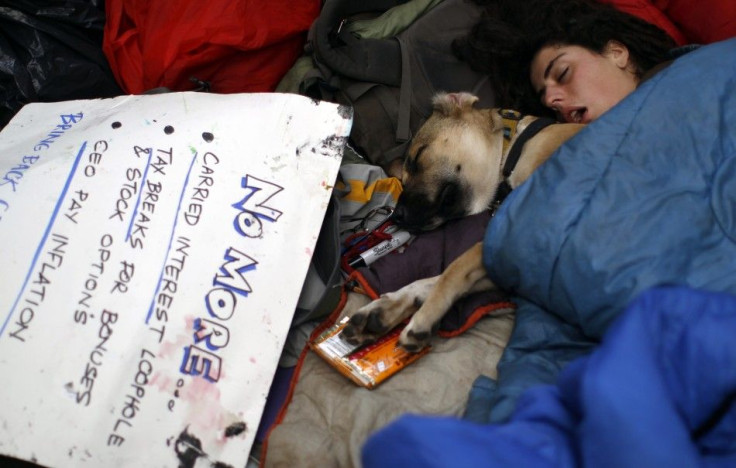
point(645, 196)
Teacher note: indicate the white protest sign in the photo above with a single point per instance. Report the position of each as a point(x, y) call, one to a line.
point(153, 251)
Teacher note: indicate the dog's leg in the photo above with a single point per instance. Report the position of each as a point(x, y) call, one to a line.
point(375, 319)
point(463, 276)
point(430, 298)
point(353, 302)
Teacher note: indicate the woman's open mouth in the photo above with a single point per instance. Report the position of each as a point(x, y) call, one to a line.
point(577, 115)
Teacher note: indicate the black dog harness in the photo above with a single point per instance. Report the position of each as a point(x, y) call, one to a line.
point(511, 120)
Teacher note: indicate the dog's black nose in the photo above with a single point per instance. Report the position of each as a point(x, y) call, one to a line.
point(399, 215)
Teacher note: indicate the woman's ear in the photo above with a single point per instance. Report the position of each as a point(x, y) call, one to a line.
point(619, 53)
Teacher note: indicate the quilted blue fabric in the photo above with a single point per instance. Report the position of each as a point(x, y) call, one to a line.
point(645, 196)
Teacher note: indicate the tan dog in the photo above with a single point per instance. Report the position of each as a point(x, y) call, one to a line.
point(453, 168)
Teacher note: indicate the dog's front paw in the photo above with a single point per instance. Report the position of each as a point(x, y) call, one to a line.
point(374, 320)
point(416, 335)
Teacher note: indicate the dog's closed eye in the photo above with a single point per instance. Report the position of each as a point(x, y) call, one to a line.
point(412, 164)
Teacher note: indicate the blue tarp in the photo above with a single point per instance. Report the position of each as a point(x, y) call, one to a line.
point(644, 197)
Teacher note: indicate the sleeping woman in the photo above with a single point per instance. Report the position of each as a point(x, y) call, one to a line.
point(575, 58)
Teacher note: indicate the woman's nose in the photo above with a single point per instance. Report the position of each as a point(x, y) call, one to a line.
point(553, 97)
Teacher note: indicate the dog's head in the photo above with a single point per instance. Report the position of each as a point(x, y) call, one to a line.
point(453, 165)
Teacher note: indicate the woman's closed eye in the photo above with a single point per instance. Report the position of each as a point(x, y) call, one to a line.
point(563, 74)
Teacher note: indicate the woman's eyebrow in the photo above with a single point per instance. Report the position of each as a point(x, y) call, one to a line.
point(547, 70)
point(550, 64)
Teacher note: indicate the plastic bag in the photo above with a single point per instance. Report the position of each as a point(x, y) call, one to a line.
point(51, 50)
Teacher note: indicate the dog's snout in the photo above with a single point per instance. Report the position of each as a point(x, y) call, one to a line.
point(413, 211)
point(418, 211)
point(400, 213)
point(448, 197)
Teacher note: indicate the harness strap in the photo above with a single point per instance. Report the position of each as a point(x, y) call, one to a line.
point(510, 119)
point(504, 188)
point(529, 132)
point(403, 130)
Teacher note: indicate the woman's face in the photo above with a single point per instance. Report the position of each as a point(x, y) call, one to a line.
point(579, 84)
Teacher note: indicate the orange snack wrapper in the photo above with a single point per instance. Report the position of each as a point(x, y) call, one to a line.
point(367, 365)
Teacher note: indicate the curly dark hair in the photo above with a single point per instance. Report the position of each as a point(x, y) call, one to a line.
point(510, 32)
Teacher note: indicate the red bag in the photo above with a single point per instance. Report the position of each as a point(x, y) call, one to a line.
point(704, 21)
point(235, 45)
point(687, 21)
point(650, 13)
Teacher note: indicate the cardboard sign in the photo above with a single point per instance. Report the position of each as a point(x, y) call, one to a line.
point(153, 251)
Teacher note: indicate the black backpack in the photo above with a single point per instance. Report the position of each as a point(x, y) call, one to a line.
point(390, 82)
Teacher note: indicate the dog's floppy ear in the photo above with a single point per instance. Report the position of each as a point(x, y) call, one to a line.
point(453, 104)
